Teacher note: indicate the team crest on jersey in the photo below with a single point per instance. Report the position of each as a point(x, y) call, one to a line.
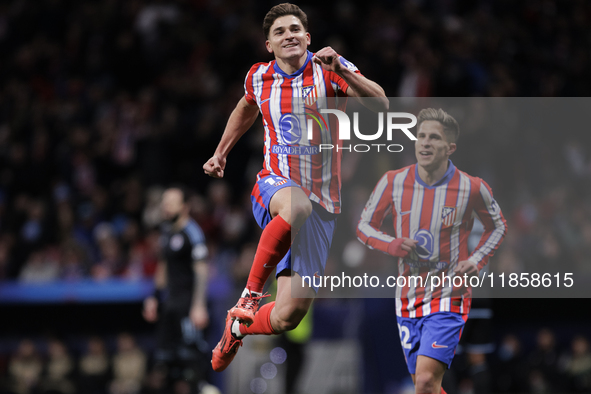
point(176, 242)
point(448, 216)
point(310, 94)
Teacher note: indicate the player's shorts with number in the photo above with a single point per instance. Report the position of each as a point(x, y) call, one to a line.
point(309, 251)
point(436, 335)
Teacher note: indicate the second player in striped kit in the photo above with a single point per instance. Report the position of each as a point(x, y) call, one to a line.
point(433, 207)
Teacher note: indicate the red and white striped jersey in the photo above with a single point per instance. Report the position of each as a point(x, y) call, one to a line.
point(440, 218)
point(287, 103)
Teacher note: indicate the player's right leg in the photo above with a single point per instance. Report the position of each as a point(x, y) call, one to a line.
point(288, 207)
point(280, 208)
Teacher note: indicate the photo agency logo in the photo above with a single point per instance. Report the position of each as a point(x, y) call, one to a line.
point(295, 139)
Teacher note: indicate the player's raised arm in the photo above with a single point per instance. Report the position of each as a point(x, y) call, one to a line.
point(359, 86)
point(377, 208)
point(241, 119)
point(495, 228)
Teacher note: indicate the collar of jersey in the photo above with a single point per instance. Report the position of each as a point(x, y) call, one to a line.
point(451, 170)
point(278, 69)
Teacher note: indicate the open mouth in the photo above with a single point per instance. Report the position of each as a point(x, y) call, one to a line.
point(291, 45)
point(426, 154)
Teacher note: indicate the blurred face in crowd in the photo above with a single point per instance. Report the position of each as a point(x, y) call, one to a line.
point(288, 39)
point(125, 343)
point(173, 206)
point(432, 148)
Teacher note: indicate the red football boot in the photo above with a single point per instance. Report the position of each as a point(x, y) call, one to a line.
point(246, 308)
point(226, 349)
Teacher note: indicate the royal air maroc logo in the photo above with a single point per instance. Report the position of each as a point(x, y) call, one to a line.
point(448, 216)
point(292, 128)
point(424, 247)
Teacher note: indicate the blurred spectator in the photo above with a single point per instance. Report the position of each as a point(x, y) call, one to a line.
point(42, 266)
point(151, 216)
point(511, 371)
point(155, 381)
point(74, 263)
point(129, 366)
point(543, 363)
point(25, 368)
point(5, 245)
point(578, 366)
point(59, 370)
point(479, 372)
point(111, 261)
point(94, 368)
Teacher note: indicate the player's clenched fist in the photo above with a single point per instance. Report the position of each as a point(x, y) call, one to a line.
point(328, 58)
point(401, 247)
point(215, 167)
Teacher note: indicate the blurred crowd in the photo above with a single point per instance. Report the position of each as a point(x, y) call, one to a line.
point(548, 367)
point(52, 367)
point(549, 364)
point(103, 103)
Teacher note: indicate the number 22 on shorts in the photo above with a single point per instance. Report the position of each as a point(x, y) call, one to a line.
point(404, 336)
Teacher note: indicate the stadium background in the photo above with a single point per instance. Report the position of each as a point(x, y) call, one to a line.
point(104, 102)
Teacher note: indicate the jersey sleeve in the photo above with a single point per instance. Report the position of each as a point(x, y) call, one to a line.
point(495, 227)
point(377, 208)
point(340, 82)
point(199, 249)
point(249, 85)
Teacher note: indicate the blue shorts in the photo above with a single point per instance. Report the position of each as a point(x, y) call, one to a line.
point(436, 335)
point(309, 251)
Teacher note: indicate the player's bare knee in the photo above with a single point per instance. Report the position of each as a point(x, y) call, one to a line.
point(425, 382)
point(297, 212)
point(300, 210)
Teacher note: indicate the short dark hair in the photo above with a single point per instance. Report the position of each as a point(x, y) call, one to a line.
point(280, 10)
point(451, 128)
point(183, 189)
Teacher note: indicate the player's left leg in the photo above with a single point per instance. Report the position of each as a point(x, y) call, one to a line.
point(429, 375)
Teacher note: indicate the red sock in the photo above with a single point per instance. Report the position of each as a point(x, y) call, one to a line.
point(262, 322)
point(273, 245)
